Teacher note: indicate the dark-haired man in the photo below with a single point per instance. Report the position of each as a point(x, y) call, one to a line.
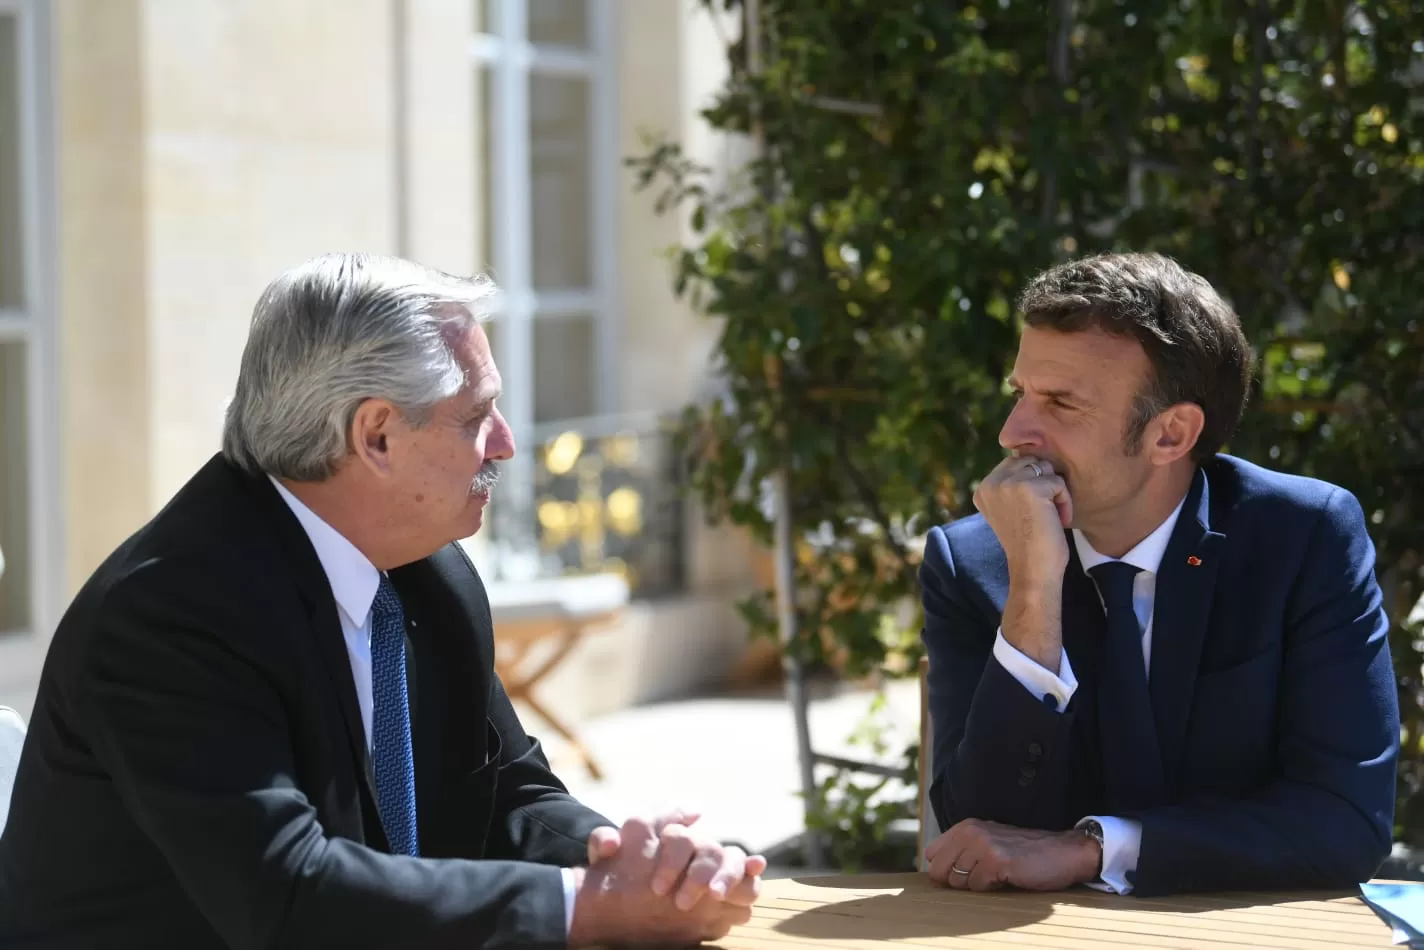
point(1153, 668)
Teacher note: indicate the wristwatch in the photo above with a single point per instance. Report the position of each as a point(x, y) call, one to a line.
point(1093, 828)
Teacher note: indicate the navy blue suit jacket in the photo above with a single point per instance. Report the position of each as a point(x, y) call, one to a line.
point(1273, 694)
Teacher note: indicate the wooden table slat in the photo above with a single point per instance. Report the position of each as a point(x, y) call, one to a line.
point(859, 913)
point(1107, 928)
point(773, 940)
point(1338, 921)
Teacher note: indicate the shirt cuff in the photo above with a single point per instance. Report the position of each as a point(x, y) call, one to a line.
point(1037, 679)
point(570, 895)
point(1122, 842)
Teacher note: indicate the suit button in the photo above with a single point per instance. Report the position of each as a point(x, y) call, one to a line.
point(1028, 772)
point(1034, 750)
point(1050, 701)
point(1025, 781)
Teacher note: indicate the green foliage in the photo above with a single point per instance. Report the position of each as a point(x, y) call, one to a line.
point(922, 160)
point(855, 814)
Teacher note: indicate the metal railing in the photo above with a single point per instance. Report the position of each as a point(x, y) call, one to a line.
point(605, 497)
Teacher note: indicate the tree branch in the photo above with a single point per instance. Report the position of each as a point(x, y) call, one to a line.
point(866, 493)
point(1260, 18)
point(1058, 57)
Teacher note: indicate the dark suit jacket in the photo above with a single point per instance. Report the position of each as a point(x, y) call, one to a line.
point(196, 774)
point(1272, 692)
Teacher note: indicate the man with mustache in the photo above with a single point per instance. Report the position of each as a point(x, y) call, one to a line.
point(271, 719)
point(1153, 667)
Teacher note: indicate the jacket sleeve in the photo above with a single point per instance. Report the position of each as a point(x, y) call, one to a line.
point(999, 754)
point(535, 818)
point(1327, 821)
point(180, 697)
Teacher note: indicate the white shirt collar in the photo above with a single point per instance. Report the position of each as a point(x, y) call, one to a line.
point(1146, 556)
point(352, 576)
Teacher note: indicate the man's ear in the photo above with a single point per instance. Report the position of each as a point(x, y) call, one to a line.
point(1176, 431)
point(370, 434)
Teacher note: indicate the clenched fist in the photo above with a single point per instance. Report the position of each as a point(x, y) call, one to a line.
point(1028, 506)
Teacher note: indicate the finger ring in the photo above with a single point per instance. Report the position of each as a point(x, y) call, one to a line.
point(1037, 472)
point(956, 869)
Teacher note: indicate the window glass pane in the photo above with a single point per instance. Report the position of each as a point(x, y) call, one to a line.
point(12, 292)
point(484, 158)
point(559, 22)
point(14, 491)
point(560, 192)
point(564, 376)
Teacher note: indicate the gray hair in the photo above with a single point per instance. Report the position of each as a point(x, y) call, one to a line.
point(328, 335)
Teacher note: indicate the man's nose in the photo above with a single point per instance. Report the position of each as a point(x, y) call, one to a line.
point(1021, 430)
point(500, 446)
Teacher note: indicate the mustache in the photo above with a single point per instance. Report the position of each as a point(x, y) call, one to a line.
point(485, 479)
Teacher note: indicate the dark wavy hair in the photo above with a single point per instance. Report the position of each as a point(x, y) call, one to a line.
point(1193, 339)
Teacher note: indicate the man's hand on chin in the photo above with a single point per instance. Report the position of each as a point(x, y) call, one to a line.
point(984, 855)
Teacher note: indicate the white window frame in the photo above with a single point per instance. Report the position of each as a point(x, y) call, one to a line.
point(33, 324)
point(510, 59)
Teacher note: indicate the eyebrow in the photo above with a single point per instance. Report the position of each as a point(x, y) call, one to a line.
point(1067, 394)
point(485, 404)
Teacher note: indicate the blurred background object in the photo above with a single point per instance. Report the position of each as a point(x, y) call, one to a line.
point(161, 161)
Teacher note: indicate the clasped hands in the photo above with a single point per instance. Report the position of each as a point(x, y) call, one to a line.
point(658, 881)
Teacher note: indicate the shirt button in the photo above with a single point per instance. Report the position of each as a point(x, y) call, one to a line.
point(1050, 701)
point(1034, 750)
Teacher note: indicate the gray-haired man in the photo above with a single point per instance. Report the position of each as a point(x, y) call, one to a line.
point(270, 719)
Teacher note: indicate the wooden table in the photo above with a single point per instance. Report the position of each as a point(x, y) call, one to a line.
point(513, 641)
point(554, 613)
point(862, 911)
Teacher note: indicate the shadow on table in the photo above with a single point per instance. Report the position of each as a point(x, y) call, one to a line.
point(901, 917)
point(922, 910)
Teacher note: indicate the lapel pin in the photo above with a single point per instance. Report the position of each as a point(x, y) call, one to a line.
point(1194, 561)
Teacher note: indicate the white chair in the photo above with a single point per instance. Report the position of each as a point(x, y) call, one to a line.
point(12, 737)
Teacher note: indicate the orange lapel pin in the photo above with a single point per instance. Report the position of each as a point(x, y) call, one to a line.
point(1194, 561)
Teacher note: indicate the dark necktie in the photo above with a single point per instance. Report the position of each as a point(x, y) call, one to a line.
point(391, 753)
point(1132, 763)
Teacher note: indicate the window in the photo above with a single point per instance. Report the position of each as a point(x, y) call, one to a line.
point(26, 532)
point(547, 182)
point(548, 170)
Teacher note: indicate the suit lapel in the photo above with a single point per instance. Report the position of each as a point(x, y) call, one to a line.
point(325, 626)
point(1185, 584)
point(443, 599)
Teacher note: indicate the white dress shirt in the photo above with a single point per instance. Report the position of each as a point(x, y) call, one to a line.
point(1122, 837)
point(354, 580)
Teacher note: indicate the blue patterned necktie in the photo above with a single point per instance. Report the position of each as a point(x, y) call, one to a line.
point(391, 752)
point(1132, 762)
